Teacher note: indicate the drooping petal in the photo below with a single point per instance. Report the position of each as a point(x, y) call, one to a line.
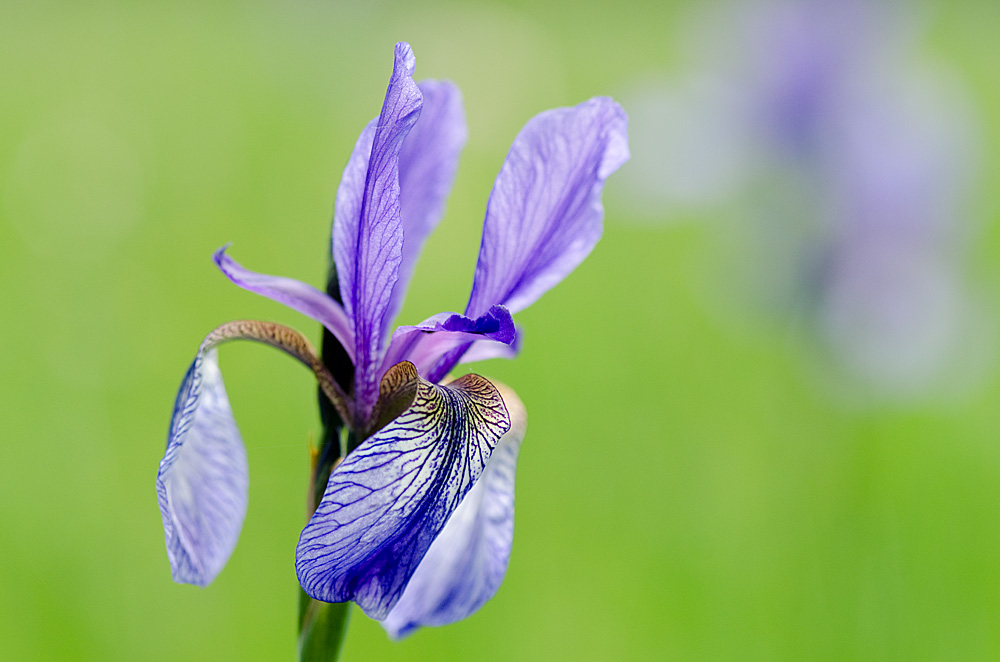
point(467, 562)
point(293, 293)
point(425, 343)
point(545, 214)
point(367, 231)
point(387, 501)
point(427, 165)
point(203, 477)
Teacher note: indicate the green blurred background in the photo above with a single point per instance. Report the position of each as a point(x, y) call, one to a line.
point(686, 489)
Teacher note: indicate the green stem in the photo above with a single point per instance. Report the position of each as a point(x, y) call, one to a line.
point(323, 625)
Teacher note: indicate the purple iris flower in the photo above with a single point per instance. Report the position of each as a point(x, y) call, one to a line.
point(416, 521)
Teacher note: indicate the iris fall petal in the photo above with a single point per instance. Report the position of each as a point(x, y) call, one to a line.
point(203, 477)
point(387, 501)
point(467, 562)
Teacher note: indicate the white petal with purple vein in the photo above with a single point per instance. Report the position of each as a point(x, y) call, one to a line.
point(388, 500)
point(202, 482)
point(468, 560)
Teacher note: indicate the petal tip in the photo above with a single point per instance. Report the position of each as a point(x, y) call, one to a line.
point(405, 58)
point(615, 120)
point(219, 256)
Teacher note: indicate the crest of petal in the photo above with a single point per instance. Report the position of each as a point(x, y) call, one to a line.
point(295, 294)
point(387, 501)
point(367, 230)
point(467, 562)
point(203, 477)
point(427, 165)
point(545, 214)
point(425, 343)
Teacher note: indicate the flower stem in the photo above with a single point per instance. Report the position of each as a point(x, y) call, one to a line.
point(323, 625)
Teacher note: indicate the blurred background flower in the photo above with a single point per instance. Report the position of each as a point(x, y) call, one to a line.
point(848, 166)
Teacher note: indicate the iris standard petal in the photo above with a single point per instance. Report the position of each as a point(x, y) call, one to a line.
point(545, 214)
point(367, 231)
point(203, 478)
point(295, 294)
point(467, 562)
point(425, 343)
point(348, 206)
point(390, 497)
point(427, 165)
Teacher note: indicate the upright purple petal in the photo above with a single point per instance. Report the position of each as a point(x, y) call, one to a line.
point(348, 207)
point(427, 165)
point(298, 296)
point(545, 214)
point(367, 231)
point(203, 477)
point(467, 562)
point(388, 500)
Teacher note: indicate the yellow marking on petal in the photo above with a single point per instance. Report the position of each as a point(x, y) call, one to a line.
point(313, 453)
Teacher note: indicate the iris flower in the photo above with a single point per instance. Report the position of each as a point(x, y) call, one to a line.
point(415, 524)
